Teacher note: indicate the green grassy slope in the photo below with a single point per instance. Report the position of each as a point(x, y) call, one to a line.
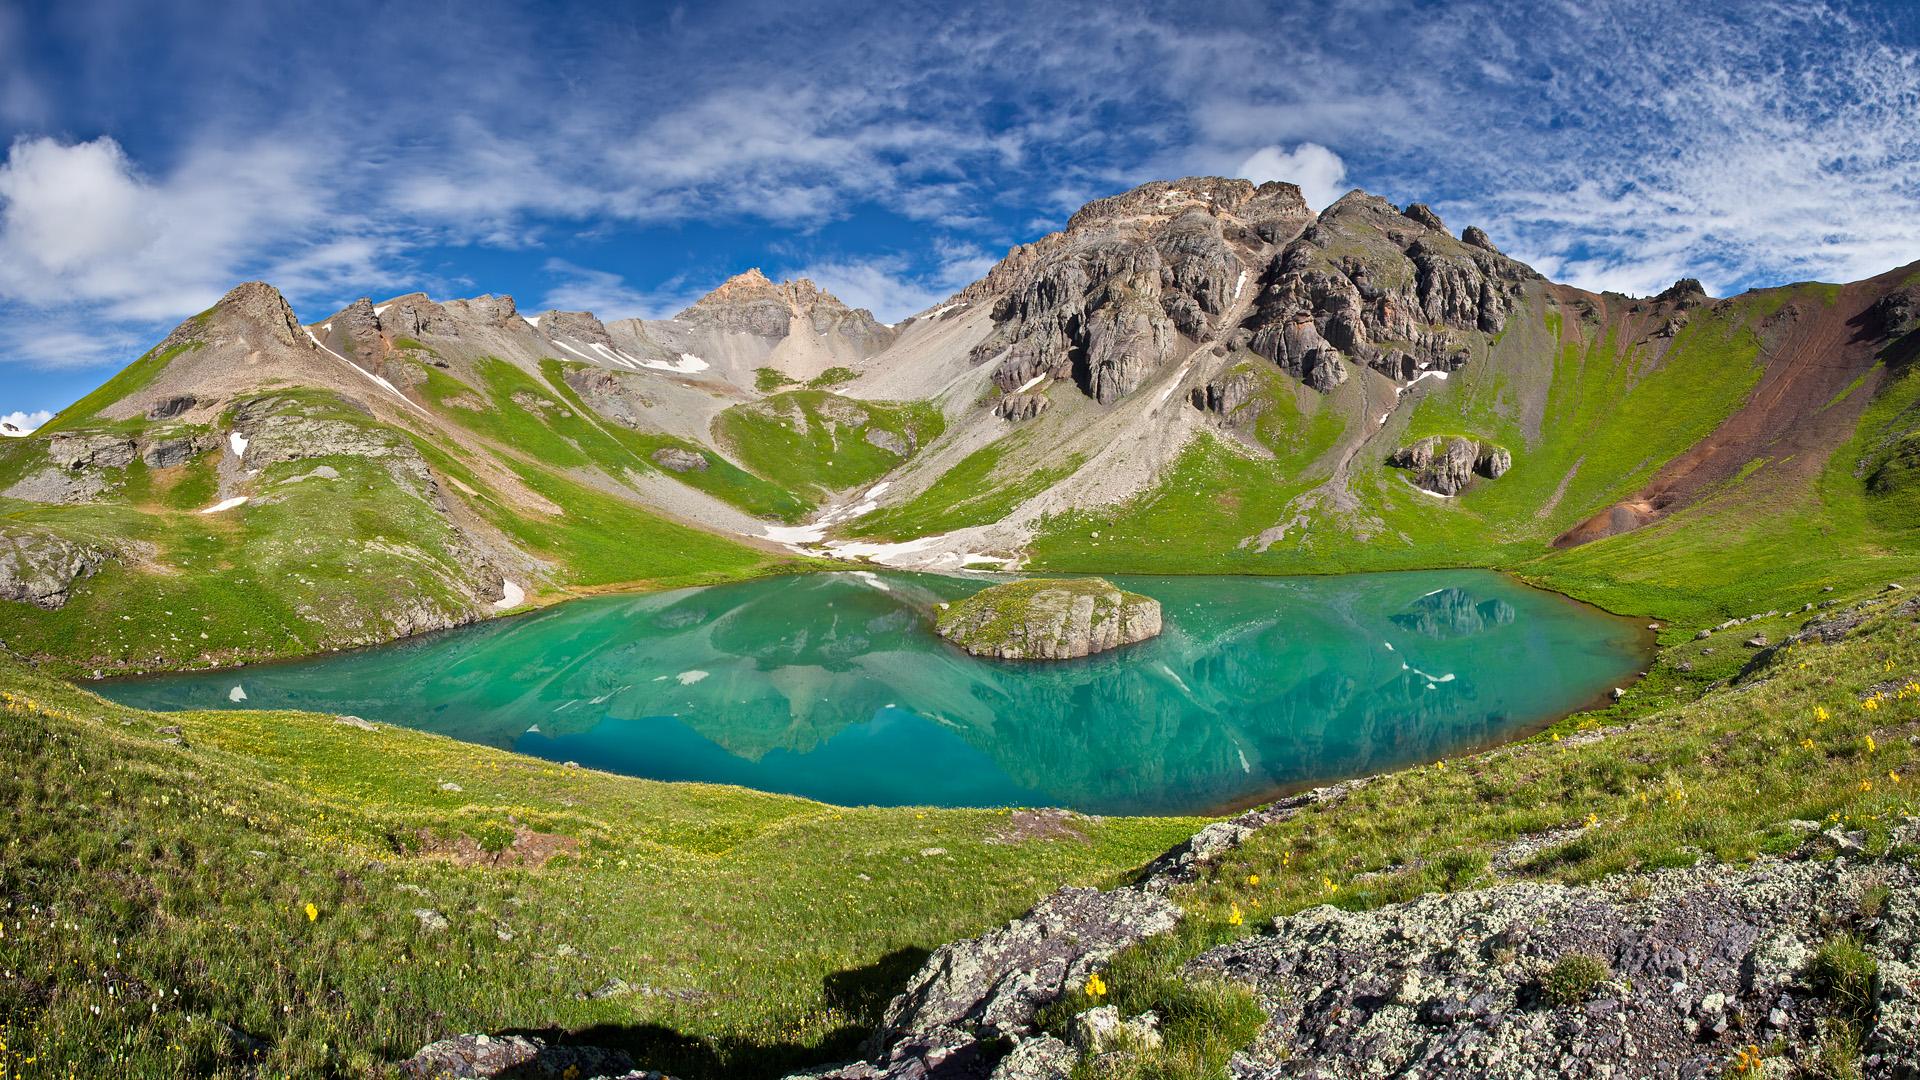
point(313, 564)
point(813, 442)
point(156, 898)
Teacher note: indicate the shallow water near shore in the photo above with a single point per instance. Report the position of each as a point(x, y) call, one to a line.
point(834, 687)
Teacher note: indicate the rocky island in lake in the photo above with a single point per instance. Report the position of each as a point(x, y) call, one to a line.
point(1049, 619)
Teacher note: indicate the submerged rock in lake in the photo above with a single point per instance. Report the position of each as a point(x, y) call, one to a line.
point(1049, 619)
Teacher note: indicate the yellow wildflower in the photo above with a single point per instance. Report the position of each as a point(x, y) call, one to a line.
point(1866, 785)
point(1870, 703)
point(1808, 743)
point(1819, 714)
point(313, 913)
point(1893, 776)
point(1253, 879)
point(1095, 987)
point(1870, 745)
point(1234, 918)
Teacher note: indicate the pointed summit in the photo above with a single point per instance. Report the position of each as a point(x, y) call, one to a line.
point(750, 303)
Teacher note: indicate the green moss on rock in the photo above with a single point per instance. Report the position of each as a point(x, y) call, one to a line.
point(1049, 619)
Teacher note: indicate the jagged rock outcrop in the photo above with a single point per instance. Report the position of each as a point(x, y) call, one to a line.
point(91, 450)
point(975, 1000)
point(1014, 408)
point(1107, 301)
point(1446, 465)
point(519, 1056)
point(620, 397)
point(1235, 396)
point(168, 408)
point(677, 460)
point(1697, 962)
point(38, 568)
point(579, 325)
point(971, 1008)
point(278, 429)
point(415, 315)
point(1383, 287)
point(163, 450)
point(751, 304)
point(1049, 619)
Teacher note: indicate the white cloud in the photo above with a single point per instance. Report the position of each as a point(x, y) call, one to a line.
point(20, 423)
point(607, 295)
point(80, 225)
point(889, 287)
point(1319, 171)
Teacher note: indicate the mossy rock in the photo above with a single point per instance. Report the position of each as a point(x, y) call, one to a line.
point(1049, 619)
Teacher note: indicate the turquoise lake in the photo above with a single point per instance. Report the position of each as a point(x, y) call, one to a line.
point(834, 687)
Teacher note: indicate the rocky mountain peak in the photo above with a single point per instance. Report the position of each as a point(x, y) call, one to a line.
point(1685, 290)
point(489, 310)
point(1165, 200)
point(253, 303)
point(1106, 301)
point(579, 325)
point(1390, 288)
point(750, 303)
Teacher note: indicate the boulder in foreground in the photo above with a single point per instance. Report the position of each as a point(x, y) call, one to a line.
point(1049, 619)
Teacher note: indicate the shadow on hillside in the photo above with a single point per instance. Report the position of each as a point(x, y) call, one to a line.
point(858, 994)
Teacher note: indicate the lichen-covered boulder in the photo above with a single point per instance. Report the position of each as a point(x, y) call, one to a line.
point(38, 567)
point(1049, 619)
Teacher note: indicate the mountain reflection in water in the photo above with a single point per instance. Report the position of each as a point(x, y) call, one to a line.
point(834, 686)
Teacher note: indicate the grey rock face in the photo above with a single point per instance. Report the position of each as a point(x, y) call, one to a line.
point(1385, 288)
point(1099, 1030)
point(1446, 465)
point(498, 311)
point(621, 398)
point(994, 984)
point(888, 441)
point(415, 316)
point(518, 1056)
point(276, 431)
point(678, 460)
point(1105, 302)
point(165, 453)
point(38, 567)
point(750, 304)
point(1049, 619)
point(84, 450)
point(1447, 986)
point(578, 325)
point(1017, 407)
point(168, 408)
point(1424, 214)
point(357, 331)
point(1475, 236)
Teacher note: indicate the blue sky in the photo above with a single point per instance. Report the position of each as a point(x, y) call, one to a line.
point(626, 158)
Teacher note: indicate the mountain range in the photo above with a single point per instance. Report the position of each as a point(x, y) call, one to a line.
point(1200, 375)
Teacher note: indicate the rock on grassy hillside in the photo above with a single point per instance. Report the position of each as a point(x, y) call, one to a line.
point(1049, 619)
